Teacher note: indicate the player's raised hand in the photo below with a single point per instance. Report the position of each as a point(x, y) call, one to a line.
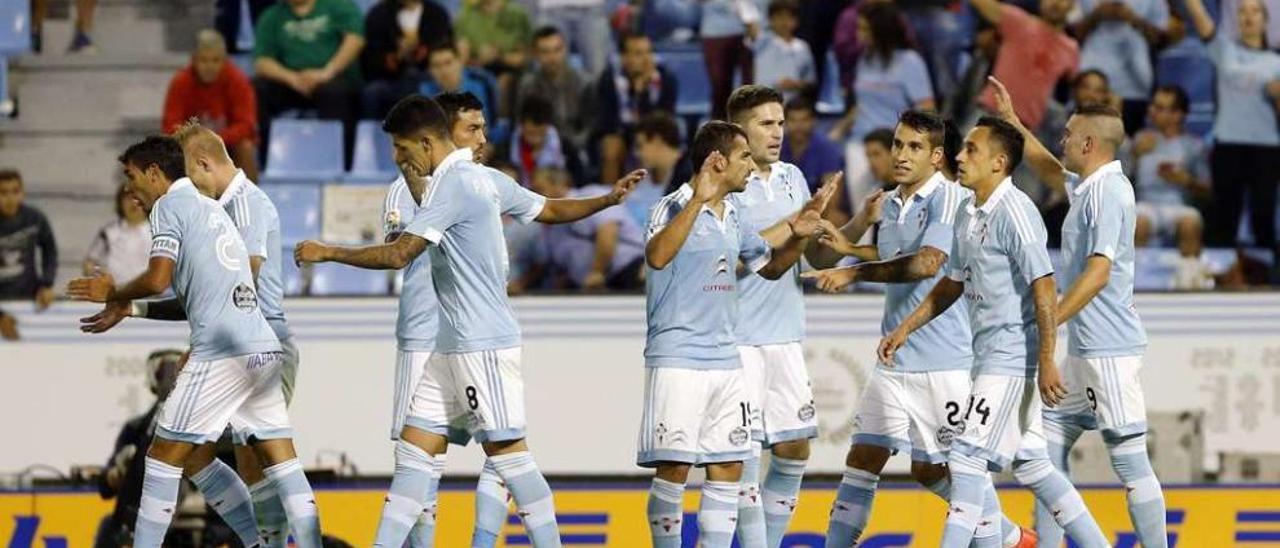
point(309, 251)
point(97, 288)
point(821, 198)
point(832, 280)
point(832, 237)
point(1052, 389)
point(1004, 103)
point(625, 185)
point(806, 224)
point(889, 345)
point(873, 206)
point(704, 186)
point(103, 321)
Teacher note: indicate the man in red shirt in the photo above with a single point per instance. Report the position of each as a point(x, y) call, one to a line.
point(1035, 53)
point(216, 92)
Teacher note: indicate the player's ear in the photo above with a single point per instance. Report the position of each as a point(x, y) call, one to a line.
point(938, 158)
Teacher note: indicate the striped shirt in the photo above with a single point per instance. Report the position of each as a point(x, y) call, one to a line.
point(258, 222)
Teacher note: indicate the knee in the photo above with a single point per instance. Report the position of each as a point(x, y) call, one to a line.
point(673, 472)
point(495, 448)
point(867, 458)
point(928, 474)
point(1028, 472)
point(794, 450)
point(173, 453)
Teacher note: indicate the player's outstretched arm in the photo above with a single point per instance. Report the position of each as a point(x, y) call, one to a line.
point(389, 256)
point(1042, 162)
point(778, 233)
point(568, 210)
point(940, 298)
point(866, 217)
point(1045, 294)
point(784, 257)
point(1097, 272)
point(921, 265)
point(101, 288)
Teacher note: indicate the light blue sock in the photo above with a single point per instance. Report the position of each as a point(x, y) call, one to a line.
point(1146, 499)
point(227, 494)
point(423, 534)
point(666, 513)
point(414, 480)
point(491, 507)
point(751, 527)
point(160, 484)
point(1061, 436)
point(273, 523)
point(970, 484)
point(781, 495)
point(987, 534)
point(299, 502)
point(532, 495)
point(1009, 531)
point(717, 513)
point(1067, 507)
point(852, 508)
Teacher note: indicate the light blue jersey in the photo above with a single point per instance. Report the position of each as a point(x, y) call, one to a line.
point(773, 309)
point(211, 277)
point(259, 225)
point(1119, 50)
point(1101, 221)
point(692, 304)
point(999, 250)
point(418, 317)
point(926, 219)
point(1183, 151)
point(462, 215)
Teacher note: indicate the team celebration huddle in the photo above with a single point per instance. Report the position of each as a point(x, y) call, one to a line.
point(965, 382)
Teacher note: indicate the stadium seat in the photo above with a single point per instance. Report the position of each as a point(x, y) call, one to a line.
point(244, 62)
point(1187, 65)
point(690, 71)
point(15, 34)
point(304, 151)
point(830, 97)
point(372, 162)
point(332, 279)
point(290, 275)
point(1155, 269)
point(299, 209)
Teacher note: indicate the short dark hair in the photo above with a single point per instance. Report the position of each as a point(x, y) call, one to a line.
point(545, 31)
point(1008, 137)
point(454, 103)
point(1099, 109)
point(801, 102)
point(10, 174)
point(713, 136)
point(161, 151)
point(537, 109)
point(748, 97)
point(626, 38)
point(416, 113)
point(1079, 79)
point(925, 122)
point(1180, 99)
point(952, 142)
point(784, 6)
point(661, 125)
point(443, 44)
point(882, 136)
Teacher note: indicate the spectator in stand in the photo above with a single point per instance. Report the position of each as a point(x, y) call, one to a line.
point(877, 155)
point(536, 144)
point(24, 231)
point(1246, 149)
point(235, 26)
point(80, 40)
point(657, 149)
point(305, 57)
point(1120, 38)
point(585, 25)
point(846, 44)
point(215, 91)
point(495, 34)
point(553, 78)
point(122, 247)
point(727, 27)
point(817, 28)
point(623, 96)
point(783, 61)
point(449, 74)
point(1170, 169)
point(603, 251)
point(526, 244)
point(1035, 54)
point(892, 77)
point(394, 59)
point(812, 152)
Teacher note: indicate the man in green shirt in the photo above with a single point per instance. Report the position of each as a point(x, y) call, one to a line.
point(304, 58)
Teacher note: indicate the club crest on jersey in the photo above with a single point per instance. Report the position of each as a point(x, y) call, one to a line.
point(244, 298)
point(668, 437)
point(948, 433)
point(393, 219)
point(806, 412)
point(739, 436)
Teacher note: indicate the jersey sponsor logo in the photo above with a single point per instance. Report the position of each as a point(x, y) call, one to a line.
point(392, 220)
point(739, 436)
point(244, 298)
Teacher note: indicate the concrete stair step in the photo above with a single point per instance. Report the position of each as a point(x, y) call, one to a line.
point(92, 98)
point(85, 161)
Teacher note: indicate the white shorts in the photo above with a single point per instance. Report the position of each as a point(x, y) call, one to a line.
point(694, 416)
point(409, 368)
point(1002, 421)
point(243, 391)
point(289, 369)
point(1164, 217)
point(779, 397)
point(920, 412)
point(1103, 394)
point(465, 395)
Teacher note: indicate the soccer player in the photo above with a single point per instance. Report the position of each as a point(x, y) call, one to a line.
point(472, 383)
point(1106, 339)
point(1000, 264)
point(233, 376)
point(913, 403)
point(779, 397)
point(695, 402)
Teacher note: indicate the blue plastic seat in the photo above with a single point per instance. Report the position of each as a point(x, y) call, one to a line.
point(1154, 269)
point(299, 208)
point(372, 160)
point(304, 151)
point(686, 64)
point(1188, 66)
point(830, 97)
point(332, 279)
point(15, 28)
